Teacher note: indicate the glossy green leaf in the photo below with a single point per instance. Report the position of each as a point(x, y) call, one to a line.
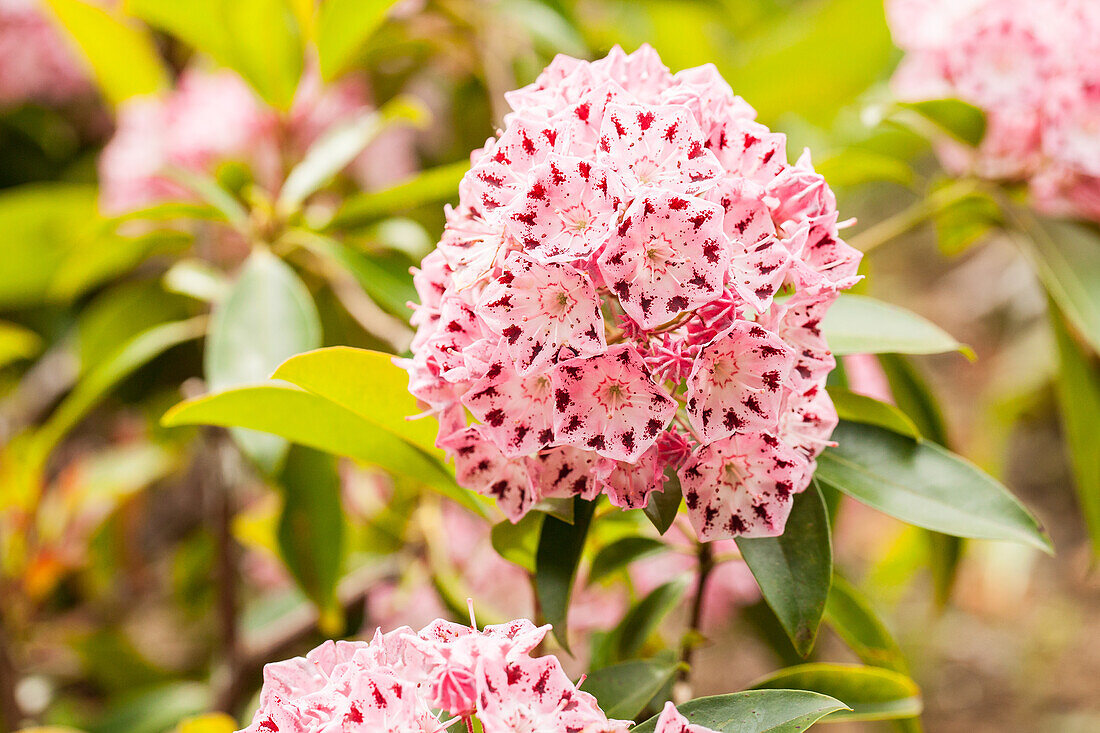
point(623, 690)
point(872, 693)
point(267, 317)
point(119, 313)
point(857, 324)
point(339, 146)
point(856, 407)
point(311, 420)
point(856, 166)
point(754, 711)
point(914, 397)
point(1078, 388)
point(519, 542)
point(926, 485)
point(794, 570)
point(17, 343)
point(959, 119)
point(103, 256)
point(154, 710)
point(342, 29)
point(368, 384)
point(1066, 256)
point(393, 290)
point(427, 187)
point(620, 553)
point(121, 54)
point(965, 221)
point(311, 527)
point(665, 504)
point(853, 619)
point(643, 618)
point(559, 554)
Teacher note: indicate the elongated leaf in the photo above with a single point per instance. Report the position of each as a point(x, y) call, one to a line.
point(1066, 256)
point(621, 553)
point(306, 418)
point(267, 317)
point(1078, 387)
point(755, 711)
point(926, 485)
point(17, 343)
point(857, 324)
point(311, 528)
point(855, 407)
point(872, 693)
point(556, 561)
point(665, 504)
point(795, 569)
point(342, 29)
point(623, 690)
point(121, 54)
point(629, 636)
point(854, 620)
point(959, 119)
point(367, 383)
point(427, 187)
point(339, 146)
point(154, 710)
point(519, 542)
point(393, 291)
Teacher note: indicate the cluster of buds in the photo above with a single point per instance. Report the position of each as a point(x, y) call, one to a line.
point(408, 682)
point(1032, 68)
point(633, 284)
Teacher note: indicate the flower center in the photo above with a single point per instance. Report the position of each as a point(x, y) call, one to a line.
point(576, 218)
point(660, 255)
point(613, 394)
point(556, 303)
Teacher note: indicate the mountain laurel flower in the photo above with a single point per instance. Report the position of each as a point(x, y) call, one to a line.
point(1032, 68)
point(424, 682)
point(632, 285)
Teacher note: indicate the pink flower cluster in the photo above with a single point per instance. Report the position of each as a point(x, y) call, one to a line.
point(1034, 68)
point(39, 63)
point(213, 117)
point(408, 682)
point(633, 283)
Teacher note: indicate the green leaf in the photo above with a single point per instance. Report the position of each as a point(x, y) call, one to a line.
point(119, 313)
point(339, 146)
point(872, 693)
point(311, 527)
point(855, 407)
point(794, 570)
point(914, 397)
point(855, 166)
point(959, 119)
point(665, 504)
point(210, 191)
point(368, 384)
point(629, 636)
point(267, 317)
point(624, 690)
point(926, 485)
point(305, 418)
point(342, 29)
point(197, 279)
point(1066, 256)
point(619, 554)
point(154, 710)
point(1078, 389)
point(559, 553)
point(104, 256)
point(427, 187)
point(518, 542)
point(857, 324)
point(965, 221)
point(391, 290)
point(122, 55)
point(259, 39)
point(851, 616)
point(755, 711)
point(17, 343)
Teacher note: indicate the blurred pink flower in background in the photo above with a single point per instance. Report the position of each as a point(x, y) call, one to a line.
point(37, 62)
point(212, 117)
point(1033, 68)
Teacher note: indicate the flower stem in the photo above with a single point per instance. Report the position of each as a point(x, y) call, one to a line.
point(910, 218)
point(703, 572)
point(469, 724)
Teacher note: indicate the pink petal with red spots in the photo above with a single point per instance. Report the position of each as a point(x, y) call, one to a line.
point(472, 246)
point(671, 721)
point(749, 149)
point(628, 485)
point(710, 99)
point(668, 256)
point(808, 421)
point(541, 310)
point(736, 384)
point(798, 322)
point(565, 471)
point(569, 210)
point(641, 73)
point(480, 466)
point(740, 486)
point(501, 174)
point(657, 146)
point(515, 411)
point(609, 404)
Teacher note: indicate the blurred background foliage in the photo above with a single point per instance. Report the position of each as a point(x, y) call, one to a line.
point(148, 572)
